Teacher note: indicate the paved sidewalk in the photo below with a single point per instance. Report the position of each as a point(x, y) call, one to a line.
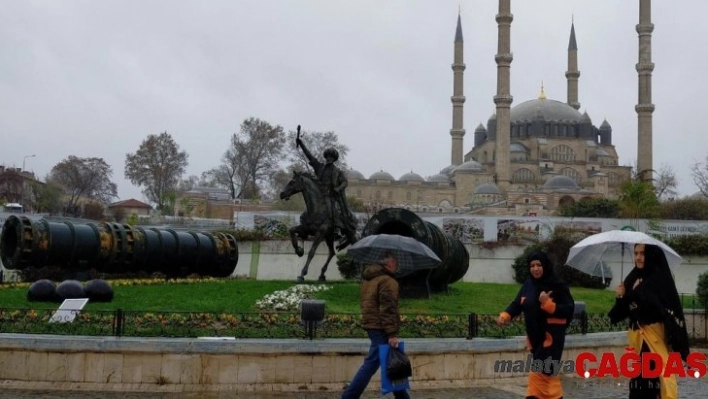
point(574, 387)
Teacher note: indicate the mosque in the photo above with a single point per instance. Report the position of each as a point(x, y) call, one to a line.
point(529, 159)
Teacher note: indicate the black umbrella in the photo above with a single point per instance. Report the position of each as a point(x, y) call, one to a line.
point(411, 254)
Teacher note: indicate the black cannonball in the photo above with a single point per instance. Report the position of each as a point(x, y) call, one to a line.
point(70, 289)
point(42, 291)
point(99, 291)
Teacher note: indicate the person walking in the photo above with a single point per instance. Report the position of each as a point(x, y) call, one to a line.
point(380, 318)
point(548, 307)
point(649, 299)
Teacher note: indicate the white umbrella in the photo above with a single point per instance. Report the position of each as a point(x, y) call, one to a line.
point(586, 254)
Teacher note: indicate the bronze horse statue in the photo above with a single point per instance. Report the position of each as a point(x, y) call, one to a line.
point(313, 222)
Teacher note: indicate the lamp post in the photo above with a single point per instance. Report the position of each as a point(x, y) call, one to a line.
point(23, 180)
point(24, 159)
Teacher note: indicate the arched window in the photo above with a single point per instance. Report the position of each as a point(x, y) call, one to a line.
point(523, 175)
point(562, 153)
point(390, 195)
point(378, 194)
point(573, 174)
point(409, 196)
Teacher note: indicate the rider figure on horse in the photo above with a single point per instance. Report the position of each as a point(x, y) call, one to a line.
point(332, 183)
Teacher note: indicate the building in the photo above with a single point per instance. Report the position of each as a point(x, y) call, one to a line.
point(530, 158)
point(124, 209)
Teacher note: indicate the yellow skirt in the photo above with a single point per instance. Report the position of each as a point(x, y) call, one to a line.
point(653, 336)
point(544, 386)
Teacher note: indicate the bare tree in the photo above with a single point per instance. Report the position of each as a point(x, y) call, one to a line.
point(83, 178)
point(665, 183)
point(317, 142)
point(699, 171)
point(157, 166)
point(252, 157)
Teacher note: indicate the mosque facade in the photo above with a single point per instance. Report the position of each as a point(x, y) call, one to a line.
point(528, 159)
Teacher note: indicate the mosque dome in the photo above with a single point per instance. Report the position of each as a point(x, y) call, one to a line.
point(517, 147)
point(470, 166)
point(381, 175)
point(605, 125)
point(353, 174)
point(447, 171)
point(560, 181)
point(550, 110)
point(411, 177)
point(487, 188)
point(441, 178)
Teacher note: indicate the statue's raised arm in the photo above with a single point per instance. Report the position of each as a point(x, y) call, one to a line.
point(307, 152)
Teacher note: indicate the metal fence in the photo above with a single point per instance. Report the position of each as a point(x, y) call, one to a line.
point(271, 324)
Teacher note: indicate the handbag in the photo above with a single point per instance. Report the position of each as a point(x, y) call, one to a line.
point(390, 384)
point(398, 365)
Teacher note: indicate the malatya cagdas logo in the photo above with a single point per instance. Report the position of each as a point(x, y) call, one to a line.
point(631, 365)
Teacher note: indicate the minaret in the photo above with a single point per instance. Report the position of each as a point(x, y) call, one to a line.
point(572, 74)
point(503, 99)
point(644, 107)
point(458, 99)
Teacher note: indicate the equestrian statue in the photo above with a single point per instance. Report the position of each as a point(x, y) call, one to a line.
point(327, 216)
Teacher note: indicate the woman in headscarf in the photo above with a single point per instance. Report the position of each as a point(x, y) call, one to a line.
point(649, 299)
point(548, 308)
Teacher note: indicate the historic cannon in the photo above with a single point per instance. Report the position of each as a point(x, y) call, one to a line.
point(454, 255)
point(114, 247)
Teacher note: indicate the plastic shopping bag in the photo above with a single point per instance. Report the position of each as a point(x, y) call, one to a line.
point(398, 384)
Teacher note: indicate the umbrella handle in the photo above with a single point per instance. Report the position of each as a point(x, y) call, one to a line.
point(622, 266)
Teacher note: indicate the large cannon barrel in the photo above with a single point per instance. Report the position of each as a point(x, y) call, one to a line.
point(454, 255)
point(114, 247)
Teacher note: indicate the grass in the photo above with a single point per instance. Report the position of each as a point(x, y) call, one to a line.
point(241, 296)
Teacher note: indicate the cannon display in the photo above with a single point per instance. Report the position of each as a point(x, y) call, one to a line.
point(454, 255)
point(114, 247)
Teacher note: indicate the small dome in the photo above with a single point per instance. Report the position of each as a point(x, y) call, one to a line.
point(353, 174)
point(441, 178)
point(560, 181)
point(602, 153)
point(381, 175)
point(470, 166)
point(481, 129)
point(586, 118)
point(605, 125)
point(447, 170)
point(493, 117)
point(487, 188)
point(411, 177)
point(517, 147)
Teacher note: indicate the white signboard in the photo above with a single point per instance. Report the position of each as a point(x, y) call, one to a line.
point(68, 310)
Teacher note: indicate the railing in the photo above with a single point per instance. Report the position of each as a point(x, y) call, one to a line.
point(271, 324)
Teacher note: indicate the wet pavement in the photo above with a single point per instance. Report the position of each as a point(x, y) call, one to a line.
point(574, 388)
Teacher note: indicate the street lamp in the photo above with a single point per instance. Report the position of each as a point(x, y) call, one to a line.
point(25, 158)
point(24, 182)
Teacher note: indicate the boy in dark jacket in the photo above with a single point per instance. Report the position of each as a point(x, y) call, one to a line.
point(380, 319)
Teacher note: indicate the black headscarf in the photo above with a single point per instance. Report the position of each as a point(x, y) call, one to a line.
point(659, 290)
point(549, 281)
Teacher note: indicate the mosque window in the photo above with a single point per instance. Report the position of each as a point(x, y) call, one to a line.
point(523, 175)
point(613, 179)
point(378, 195)
point(572, 173)
point(358, 193)
point(390, 195)
point(409, 196)
point(562, 153)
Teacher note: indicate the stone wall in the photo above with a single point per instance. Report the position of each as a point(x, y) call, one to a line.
point(220, 364)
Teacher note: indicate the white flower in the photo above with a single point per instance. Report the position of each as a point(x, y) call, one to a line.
point(290, 298)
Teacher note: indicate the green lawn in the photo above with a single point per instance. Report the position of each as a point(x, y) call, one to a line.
point(343, 297)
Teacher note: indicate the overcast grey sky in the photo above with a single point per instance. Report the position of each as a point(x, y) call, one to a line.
point(94, 78)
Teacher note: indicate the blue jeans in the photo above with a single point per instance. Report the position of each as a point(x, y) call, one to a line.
point(369, 368)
